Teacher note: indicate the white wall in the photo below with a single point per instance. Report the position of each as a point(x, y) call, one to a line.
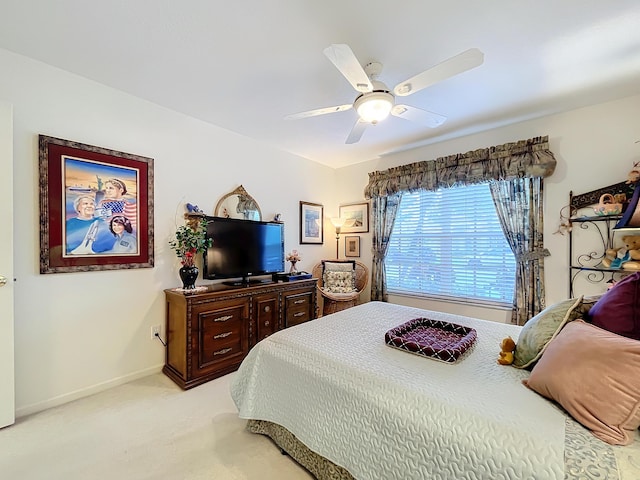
point(594, 147)
point(77, 333)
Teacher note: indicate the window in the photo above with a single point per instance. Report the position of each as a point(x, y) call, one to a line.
point(449, 243)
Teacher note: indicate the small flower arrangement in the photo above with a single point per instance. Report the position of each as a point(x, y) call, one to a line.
point(190, 239)
point(294, 256)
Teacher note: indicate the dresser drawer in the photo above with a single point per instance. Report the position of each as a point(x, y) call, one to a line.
point(218, 320)
point(218, 341)
point(298, 300)
point(297, 315)
point(220, 335)
point(265, 312)
point(298, 308)
point(220, 326)
point(214, 350)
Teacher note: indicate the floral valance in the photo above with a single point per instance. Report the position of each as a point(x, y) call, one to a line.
point(525, 158)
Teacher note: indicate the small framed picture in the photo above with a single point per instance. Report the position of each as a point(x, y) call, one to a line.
point(311, 227)
point(352, 246)
point(356, 217)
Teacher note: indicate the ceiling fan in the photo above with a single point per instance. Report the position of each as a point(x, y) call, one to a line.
point(375, 101)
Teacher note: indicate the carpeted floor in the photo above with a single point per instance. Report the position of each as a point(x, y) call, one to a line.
point(146, 429)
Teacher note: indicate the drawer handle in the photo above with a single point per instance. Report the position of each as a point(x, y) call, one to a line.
point(223, 319)
point(299, 314)
point(299, 301)
point(266, 324)
point(222, 335)
point(222, 352)
point(267, 308)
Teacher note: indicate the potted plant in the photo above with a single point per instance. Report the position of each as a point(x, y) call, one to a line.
point(190, 240)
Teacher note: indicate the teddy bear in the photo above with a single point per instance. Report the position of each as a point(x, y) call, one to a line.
point(507, 347)
point(626, 257)
point(634, 174)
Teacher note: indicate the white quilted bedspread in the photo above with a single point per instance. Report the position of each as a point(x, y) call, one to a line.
point(382, 413)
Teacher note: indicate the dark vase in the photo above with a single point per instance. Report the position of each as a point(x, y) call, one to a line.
point(189, 275)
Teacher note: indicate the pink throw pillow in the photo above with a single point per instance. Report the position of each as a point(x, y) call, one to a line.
point(595, 376)
point(618, 310)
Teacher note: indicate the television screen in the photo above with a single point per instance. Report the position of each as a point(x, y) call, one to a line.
point(243, 248)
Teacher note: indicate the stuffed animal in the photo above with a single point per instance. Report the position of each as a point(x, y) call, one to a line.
point(507, 347)
point(634, 174)
point(626, 257)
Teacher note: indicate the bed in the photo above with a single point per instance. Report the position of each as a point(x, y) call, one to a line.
point(345, 405)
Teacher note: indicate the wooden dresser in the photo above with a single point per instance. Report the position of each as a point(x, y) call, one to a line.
point(209, 333)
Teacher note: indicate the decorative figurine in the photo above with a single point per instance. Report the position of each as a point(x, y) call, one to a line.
point(193, 208)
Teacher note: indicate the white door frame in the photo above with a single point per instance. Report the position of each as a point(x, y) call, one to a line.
point(7, 375)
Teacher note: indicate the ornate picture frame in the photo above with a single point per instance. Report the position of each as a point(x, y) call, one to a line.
point(96, 208)
point(311, 223)
point(351, 246)
point(356, 217)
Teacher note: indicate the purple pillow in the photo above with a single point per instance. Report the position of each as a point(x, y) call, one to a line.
point(618, 310)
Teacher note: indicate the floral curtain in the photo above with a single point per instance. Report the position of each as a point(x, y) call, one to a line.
point(519, 206)
point(525, 159)
point(384, 212)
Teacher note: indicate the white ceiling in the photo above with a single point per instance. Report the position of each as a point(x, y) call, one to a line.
point(245, 64)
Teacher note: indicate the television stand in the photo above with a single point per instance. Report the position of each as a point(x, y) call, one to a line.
point(210, 332)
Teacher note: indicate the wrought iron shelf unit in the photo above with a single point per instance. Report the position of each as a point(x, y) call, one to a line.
point(588, 265)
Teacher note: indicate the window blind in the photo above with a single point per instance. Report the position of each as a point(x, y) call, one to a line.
point(449, 243)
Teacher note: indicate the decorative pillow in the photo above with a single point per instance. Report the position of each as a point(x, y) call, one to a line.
point(595, 375)
point(346, 266)
point(339, 282)
point(619, 309)
point(587, 303)
point(540, 330)
point(339, 276)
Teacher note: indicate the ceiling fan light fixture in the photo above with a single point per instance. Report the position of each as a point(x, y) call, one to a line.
point(374, 107)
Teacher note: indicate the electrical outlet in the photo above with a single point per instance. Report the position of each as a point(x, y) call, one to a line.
point(155, 331)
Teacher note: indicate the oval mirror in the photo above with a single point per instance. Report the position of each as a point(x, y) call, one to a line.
point(238, 204)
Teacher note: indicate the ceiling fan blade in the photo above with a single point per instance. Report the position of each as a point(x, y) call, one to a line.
point(460, 63)
point(345, 60)
point(423, 117)
point(357, 131)
point(319, 111)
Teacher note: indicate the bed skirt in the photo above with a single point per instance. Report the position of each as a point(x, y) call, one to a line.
point(598, 461)
point(318, 466)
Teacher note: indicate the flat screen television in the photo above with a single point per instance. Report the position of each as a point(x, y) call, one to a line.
point(242, 249)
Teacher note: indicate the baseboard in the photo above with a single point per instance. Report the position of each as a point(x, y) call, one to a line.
point(85, 392)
